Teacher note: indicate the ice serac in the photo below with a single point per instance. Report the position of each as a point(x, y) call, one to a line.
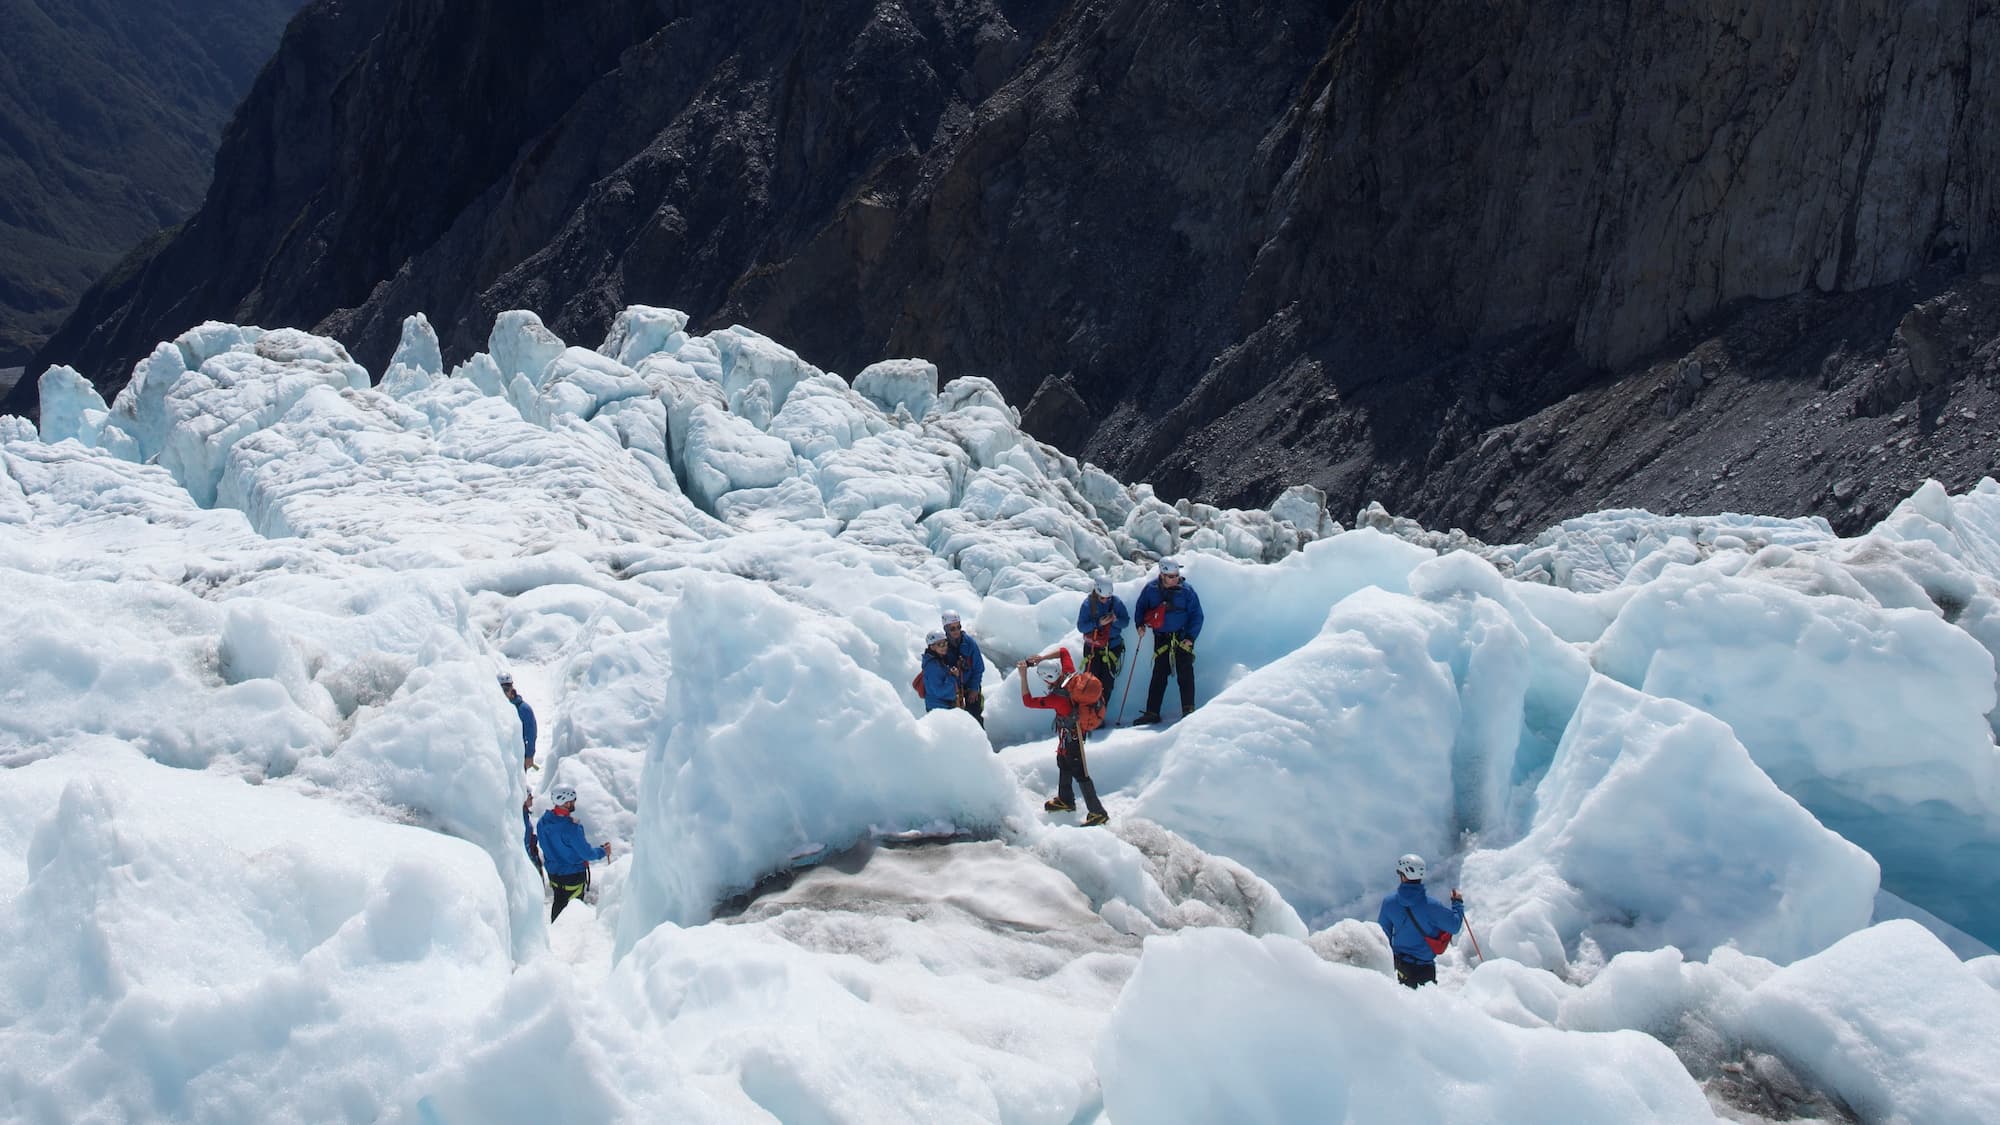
point(776, 740)
point(238, 382)
point(68, 402)
point(419, 346)
point(1873, 719)
point(908, 384)
point(641, 330)
point(1890, 1020)
point(326, 962)
point(1219, 1026)
point(1653, 827)
point(1418, 702)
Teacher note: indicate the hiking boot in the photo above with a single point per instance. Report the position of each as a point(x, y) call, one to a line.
point(1147, 719)
point(1057, 804)
point(1095, 819)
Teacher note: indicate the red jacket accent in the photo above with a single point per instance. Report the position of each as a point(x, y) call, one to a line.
point(1060, 704)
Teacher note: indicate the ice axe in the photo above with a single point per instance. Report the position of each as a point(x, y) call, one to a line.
point(1475, 940)
point(1123, 699)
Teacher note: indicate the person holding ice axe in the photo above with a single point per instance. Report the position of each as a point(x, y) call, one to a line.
point(1102, 619)
point(1419, 926)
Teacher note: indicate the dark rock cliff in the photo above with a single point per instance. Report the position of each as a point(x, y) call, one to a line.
point(109, 115)
point(1456, 257)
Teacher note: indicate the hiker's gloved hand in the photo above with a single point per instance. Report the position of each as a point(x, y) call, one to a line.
point(1456, 898)
point(1186, 645)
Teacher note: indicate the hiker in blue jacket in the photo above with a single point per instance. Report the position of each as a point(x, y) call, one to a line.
point(1168, 606)
point(968, 664)
point(940, 686)
point(565, 851)
point(1409, 915)
point(527, 714)
point(1102, 619)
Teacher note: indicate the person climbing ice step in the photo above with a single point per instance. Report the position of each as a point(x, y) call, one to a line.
point(565, 850)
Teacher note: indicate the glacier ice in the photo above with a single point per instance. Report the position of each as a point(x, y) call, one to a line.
point(256, 606)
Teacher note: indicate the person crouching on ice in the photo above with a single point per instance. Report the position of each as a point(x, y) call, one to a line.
point(1419, 926)
point(1078, 701)
point(565, 852)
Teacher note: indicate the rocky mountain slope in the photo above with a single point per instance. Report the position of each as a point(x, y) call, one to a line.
point(109, 115)
point(1490, 264)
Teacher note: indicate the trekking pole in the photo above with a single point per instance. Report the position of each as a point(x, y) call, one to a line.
point(1475, 940)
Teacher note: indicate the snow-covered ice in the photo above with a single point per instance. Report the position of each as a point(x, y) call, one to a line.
point(1722, 791)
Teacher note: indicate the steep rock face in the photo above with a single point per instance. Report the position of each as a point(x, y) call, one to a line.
point(109, 114)
point(1226, 246)
point(1630, 169)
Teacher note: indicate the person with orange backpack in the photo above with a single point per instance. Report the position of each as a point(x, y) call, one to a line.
point(1419, 926)
point(1102, 619)
point(1077, 698)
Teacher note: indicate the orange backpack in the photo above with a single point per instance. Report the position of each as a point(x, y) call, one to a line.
point(1087, 692)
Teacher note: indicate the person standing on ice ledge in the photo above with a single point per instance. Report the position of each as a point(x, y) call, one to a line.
point(968, 667)
point(1419, 926)
point(1078, 701)
point(565, 852)
point(1102, 619)
point(527, 714)
point(1169, 607)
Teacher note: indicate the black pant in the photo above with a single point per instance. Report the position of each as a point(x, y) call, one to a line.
point(568, 887)
point(1070, 767)
point(973, 703)
point(1415, 974)
point(1103, 663)
point(1168, 655)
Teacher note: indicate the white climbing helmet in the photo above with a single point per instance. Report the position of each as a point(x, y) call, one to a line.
point(1411, 867)
point(950, 617)
point(506, 679)
point(1102, 585)
point(935, 637)
point(1049, 671)
point(1169, 566)
point(566, 795)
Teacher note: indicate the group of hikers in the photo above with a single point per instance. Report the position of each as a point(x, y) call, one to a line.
point(1418, 926)
point(953, 669)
